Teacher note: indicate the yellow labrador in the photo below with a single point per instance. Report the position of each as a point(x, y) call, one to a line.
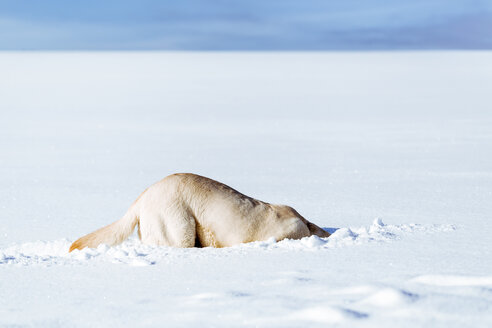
point(187, 210)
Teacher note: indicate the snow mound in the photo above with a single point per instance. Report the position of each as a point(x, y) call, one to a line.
point(327, 314)
point(133, 252)
point(376, 232)
point(390, 297)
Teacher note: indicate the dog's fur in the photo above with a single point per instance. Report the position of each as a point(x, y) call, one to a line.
point(187, 210)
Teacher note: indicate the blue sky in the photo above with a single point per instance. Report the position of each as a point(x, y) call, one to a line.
point(245, 25)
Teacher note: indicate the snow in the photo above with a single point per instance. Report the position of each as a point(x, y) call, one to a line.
point(450, 281)
point(388, 151)
point(133, 252)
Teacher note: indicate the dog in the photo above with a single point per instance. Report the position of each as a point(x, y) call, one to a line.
point(188, 210)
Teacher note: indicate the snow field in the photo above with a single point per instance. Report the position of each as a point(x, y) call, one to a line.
point(360, 303)
point(341, 137)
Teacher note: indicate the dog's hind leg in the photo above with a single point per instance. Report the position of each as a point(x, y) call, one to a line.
point(173, 226)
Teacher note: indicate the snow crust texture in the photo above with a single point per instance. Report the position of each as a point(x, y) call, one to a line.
point(338, 306)
point(133, 252)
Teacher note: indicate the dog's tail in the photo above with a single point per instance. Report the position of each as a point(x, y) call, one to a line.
point(113, 234)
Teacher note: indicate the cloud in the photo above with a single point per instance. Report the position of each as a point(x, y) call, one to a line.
point(251, 25)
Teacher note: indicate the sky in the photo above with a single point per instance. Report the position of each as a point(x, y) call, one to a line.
point(245, 25)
